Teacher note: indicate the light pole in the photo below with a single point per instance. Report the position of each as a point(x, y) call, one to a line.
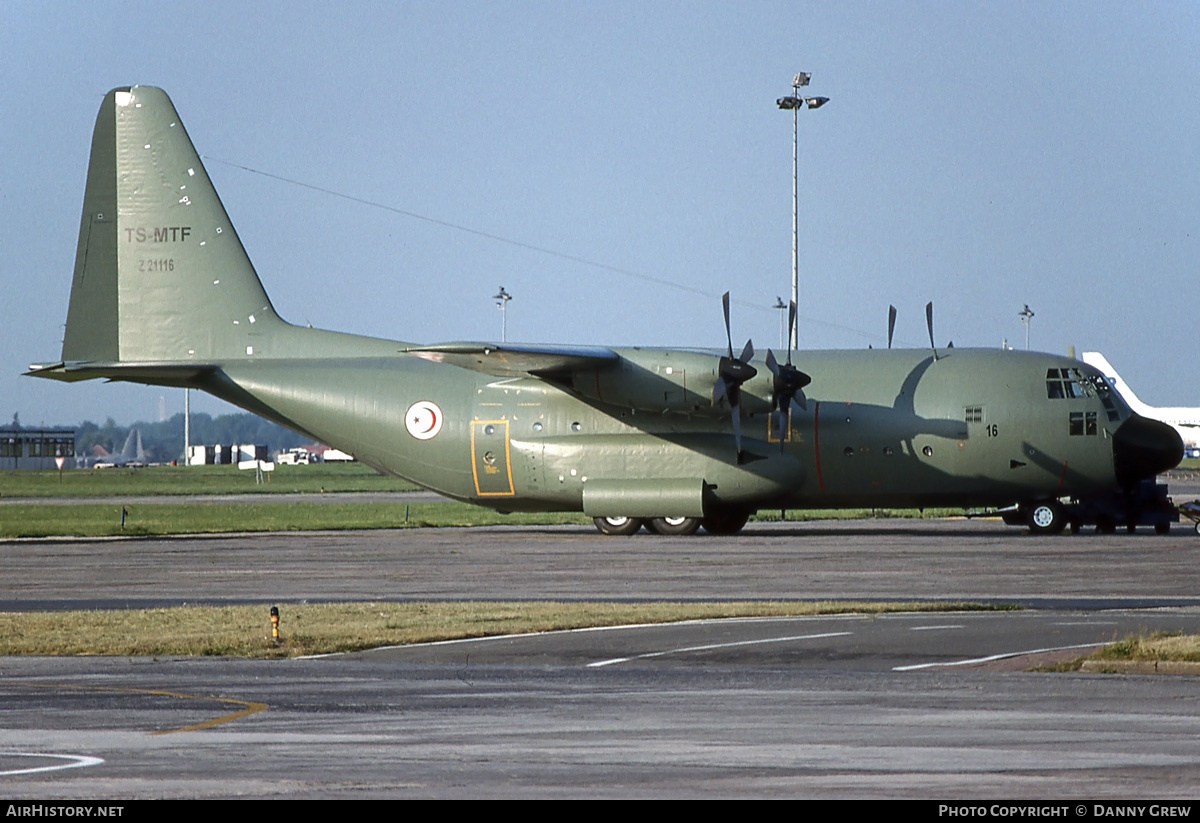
point(502, 298)
point(794, 102)
point(1026, 314)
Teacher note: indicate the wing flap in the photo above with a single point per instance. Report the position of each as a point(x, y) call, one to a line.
point(513, 360)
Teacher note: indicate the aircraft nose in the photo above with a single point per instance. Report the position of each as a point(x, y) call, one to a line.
point(1143, 448)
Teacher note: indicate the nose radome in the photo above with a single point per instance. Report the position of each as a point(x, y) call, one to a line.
point(1143, 448)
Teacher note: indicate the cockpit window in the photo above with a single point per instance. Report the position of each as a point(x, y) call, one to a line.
point(1071, 383)
point(1062, 383)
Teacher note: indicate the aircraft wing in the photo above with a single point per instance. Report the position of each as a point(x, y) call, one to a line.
point(517, 360)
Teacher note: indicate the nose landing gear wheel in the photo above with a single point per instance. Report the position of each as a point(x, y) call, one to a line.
point(1047, 517)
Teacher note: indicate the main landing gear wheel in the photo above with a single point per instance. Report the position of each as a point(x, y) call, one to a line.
point(725, 522)
point(673, 525)
point(1047, 517)
point(617, 525)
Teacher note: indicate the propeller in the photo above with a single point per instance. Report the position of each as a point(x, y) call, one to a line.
point(891, 324)
point(929, 324)
point(787, 383)
point(732, 372)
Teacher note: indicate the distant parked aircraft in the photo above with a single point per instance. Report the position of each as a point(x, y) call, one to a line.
point(132, 454)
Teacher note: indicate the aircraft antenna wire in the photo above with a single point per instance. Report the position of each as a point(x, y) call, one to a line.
point(583, 261)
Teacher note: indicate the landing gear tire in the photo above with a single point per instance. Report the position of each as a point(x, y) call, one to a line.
point(673, 525)
point(1047, 517)
point(617, 525)
point(1105, 525)
point(1162, 528)
point(725, 522)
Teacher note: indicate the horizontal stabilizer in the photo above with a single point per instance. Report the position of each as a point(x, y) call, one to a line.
point(161, 374)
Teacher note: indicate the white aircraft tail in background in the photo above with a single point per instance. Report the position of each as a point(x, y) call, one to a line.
point(1184, 419)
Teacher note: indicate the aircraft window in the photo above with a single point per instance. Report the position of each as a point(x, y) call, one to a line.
point(537, 427)
point(1079, 386)
point(575, 427)
point(848, 451)
point(927, 451)
point(1082, 423)
point(1067, 383)
point(489, 429)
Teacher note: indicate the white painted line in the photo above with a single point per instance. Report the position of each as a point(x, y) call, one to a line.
point(690, 649)
point(77, 760)
point(701, 621)
point(931, 628)
point(992, 657)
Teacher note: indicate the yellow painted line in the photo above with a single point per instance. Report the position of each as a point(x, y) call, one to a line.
point(249, 706)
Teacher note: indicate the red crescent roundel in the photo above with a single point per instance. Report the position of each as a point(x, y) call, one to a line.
point(423, 420)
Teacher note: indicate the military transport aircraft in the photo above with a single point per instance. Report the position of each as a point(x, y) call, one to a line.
point(164, 294)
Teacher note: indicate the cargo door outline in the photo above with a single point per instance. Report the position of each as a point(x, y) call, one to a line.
point(491, 466)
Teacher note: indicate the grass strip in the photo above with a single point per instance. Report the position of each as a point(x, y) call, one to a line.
point(1126, 654)
point(178, 480)
point(155, 519)
point(104, 519)
point(245, 631)
point(1158, 646)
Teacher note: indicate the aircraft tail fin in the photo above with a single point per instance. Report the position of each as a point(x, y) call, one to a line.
point(1095, 358)
point(160, 274)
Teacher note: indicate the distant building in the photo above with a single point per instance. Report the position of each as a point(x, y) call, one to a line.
point(36, 448)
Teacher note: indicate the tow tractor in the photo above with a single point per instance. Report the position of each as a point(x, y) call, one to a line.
point(1147, 505)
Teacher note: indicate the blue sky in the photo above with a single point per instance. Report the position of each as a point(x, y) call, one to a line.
point(979, 155)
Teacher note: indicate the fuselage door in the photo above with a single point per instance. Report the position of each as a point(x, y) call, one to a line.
point(490, 458)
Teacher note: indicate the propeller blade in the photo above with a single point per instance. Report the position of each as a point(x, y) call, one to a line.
point(737, 428)
point(891, 324)
point(772, 363)
point(929, 323)
point(747, 352)
point(791, 325)
point(720, 389)
point(728, 334)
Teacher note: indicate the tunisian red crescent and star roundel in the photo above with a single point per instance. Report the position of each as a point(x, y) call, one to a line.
point(423, 420)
